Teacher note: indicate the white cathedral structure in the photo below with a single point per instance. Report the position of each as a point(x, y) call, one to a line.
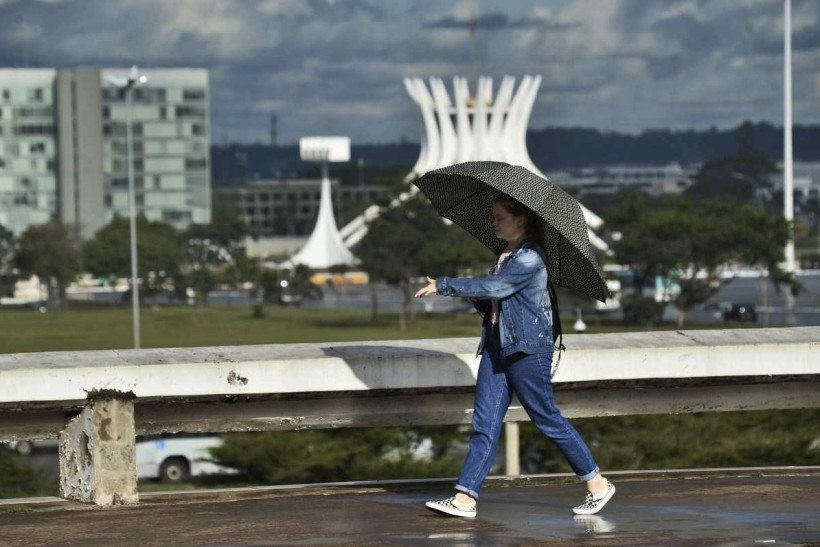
point(479, 127)
point(486, 128)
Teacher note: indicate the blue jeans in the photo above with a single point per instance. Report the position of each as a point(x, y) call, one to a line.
point(528, 376)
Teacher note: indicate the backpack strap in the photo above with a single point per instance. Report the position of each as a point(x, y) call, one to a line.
point(557, 331)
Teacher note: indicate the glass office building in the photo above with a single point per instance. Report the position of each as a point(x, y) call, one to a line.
point(28, 149)
point(171, 140)
point(63, 147)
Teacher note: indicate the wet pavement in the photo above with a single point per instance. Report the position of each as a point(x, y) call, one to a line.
point(650, 510)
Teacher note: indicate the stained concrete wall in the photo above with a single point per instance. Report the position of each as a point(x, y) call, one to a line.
point(415, 364)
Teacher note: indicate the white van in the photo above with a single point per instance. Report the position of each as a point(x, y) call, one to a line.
point(169, 459)
point(177, 459)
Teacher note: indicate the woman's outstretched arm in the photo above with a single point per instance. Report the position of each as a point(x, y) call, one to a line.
point(512, 278)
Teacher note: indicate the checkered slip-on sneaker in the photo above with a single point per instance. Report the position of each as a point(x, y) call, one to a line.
point(592, 504)
point(449, 507)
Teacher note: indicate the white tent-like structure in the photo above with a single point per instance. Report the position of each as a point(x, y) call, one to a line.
point(325, 247)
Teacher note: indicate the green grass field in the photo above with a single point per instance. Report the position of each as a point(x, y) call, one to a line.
point(110, 327)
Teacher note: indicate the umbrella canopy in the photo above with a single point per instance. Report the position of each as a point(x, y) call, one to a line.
point(465, 192)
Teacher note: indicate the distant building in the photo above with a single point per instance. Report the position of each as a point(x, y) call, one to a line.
point(63, 152)
point(290, 206)
point(79, 137)
point(171, 147)
point(653, 180)
point(806, 181)
point(28, 148)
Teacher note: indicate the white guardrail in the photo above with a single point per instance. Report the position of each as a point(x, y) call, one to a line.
point(96, 402)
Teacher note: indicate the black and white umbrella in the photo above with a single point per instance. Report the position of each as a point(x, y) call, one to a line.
point(464, 193)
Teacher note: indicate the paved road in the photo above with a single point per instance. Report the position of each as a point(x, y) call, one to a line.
point(749, 510)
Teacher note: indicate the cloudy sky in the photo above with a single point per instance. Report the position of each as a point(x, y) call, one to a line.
point(336, 66)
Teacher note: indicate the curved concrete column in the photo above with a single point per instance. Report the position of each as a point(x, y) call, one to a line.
point(449, 145)
point(409, 86)
point(483, 96)
point(511, 127)
point(524, 116)
point(427, 106)
point(464, 131)
point(498, 118)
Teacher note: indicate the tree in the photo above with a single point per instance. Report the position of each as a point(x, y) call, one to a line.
point(159, 253)
point(299, 282)
point(225, 229)
point(203, 281)
point(675, 441)
point(17, 479)
point(739, 177)
point(692, 244)
point(335, 455)
point(8, 246)
point(241, 268)
point(410, 241)
point(721, 233)
point(50, 252)
point(269, 280)
point(217, 247)
point(648, 244)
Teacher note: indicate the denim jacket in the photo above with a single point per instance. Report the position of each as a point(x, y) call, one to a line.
point(524, 309)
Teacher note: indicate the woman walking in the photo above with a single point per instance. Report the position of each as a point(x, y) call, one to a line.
point(516, 358)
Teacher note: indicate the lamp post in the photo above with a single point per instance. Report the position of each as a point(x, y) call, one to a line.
point(788, 169)
point(788, 159)
point(127, 85)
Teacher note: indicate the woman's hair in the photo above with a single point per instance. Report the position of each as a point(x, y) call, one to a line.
point(533, 223)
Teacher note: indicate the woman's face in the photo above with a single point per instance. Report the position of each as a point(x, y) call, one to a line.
point(506, 225)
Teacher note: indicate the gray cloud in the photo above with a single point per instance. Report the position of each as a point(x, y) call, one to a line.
point(336, 66)
point(491, 21)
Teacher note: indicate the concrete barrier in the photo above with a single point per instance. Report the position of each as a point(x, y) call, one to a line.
point(96, 401)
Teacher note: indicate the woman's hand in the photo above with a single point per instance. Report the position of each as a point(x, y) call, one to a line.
point(428, 290)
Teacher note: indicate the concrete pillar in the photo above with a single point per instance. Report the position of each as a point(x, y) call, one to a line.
point(511, 445)
point(98, 454)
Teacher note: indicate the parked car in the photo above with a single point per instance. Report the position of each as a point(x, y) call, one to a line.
point(741, 312)
point(177, 459)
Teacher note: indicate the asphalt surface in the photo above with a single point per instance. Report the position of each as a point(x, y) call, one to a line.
point(694, 510)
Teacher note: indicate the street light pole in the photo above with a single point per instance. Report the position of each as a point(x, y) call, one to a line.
point(128, 85)
point(788, 159)
point(788, 169)
point(132, 215)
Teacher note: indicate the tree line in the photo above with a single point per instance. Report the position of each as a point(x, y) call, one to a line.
point(171, 261)
point(551, 148)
